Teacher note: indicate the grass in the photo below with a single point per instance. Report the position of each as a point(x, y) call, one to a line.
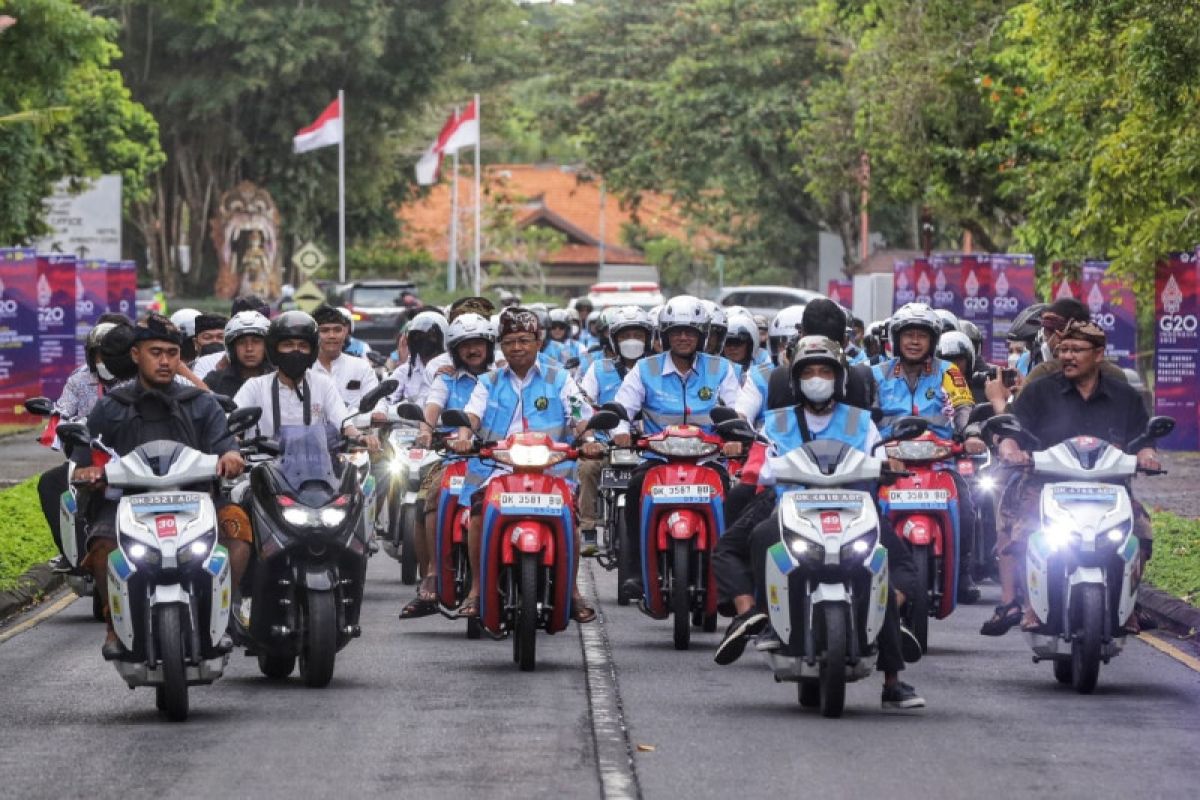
point(24, 535)
point(1175, 567)
point(9, 428)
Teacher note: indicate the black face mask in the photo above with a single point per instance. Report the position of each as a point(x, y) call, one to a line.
point(214, 347)
point(293, 364)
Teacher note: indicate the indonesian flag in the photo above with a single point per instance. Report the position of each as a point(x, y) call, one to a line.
point(461, 130)
point(326, 131)
point(49, 437)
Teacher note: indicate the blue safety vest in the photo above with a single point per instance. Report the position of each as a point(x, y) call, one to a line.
point(851, 426)
point(608, 380)
point(762, 357)
point(459, 387)
point(672, 401)
point(1024, 363)
point(761, 377)
point(927, 399)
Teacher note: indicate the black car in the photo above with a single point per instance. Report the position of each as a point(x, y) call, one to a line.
point(377, 306)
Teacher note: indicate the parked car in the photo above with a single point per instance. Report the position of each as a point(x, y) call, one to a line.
point(765, 300)
point(376, 307)
point(625, 293)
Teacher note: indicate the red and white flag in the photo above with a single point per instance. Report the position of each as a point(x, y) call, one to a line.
point(461, 130)
point(326, 131)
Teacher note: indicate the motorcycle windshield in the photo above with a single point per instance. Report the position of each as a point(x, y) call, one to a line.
point(304, 463)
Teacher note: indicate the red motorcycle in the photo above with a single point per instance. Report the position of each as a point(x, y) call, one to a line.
point(452, 565)
point(923, 509)
point(682, 515)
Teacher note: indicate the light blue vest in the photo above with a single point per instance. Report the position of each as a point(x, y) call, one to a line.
point(459, 387)
point(760, 377)
point(671, 401)
point(927, 399)
point(608, 380)
point(851, 426)
point(762, 357)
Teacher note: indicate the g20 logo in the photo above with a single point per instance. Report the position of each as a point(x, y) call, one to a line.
point(1005, 304)
point(1177, 323)
point(50, 316)
point(979, 304)
point(8, 307)
point(1107, 321)
point(84, 307)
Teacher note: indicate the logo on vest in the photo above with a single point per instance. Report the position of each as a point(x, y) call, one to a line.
point(929, 393)
point(705, 393)
point(541, 404)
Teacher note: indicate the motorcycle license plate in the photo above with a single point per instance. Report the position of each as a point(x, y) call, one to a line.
point(923, 498)
point(1106, 495)
point(611, 478)
point(145, 505)
point(806, 501)
point(416, 453)
point(548, 505)
point(682, 493)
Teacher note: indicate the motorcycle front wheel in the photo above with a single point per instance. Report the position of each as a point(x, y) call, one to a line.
point(171, 696)
point(319, 647)
point(408, 545)
point(919, 604)
point(276, 667)
point(525, 645)
point(622, 545)
point(833, 666)
point(681, 601)
point(1085, 650)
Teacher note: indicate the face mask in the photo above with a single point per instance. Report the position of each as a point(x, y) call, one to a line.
point(293, 364)
point(818, 390)
point(209, 349)
point(103, 373)
point(1013, 359)
point(632, 349)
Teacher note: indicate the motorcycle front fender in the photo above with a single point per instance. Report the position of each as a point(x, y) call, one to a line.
point(320, 579)
point(1087, 575)
point(830, 593)
point(169, 593)
point(918, 529)
point(681, 523)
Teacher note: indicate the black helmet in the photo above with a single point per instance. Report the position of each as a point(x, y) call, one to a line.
point(292, 325)
point(114, 355)
point(1027, 323)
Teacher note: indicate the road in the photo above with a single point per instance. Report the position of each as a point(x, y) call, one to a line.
point(416, 710)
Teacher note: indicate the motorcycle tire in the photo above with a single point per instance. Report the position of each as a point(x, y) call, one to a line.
point(408, 546)
point(709, 623)
point(918, 606)
point(624, 568)
point(1089, 639)
point(474, 628)
point(171, 696)
point(276, 667)
point(1062, 670)
point(808, 693)
point(97, 605)
point(832, 682)
point(318, 649)
point(681, 601)
point(526, 627)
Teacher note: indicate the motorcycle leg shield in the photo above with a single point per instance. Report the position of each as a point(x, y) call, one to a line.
point(780, 564)
point(490, 603)
point(217, 566)
point(1129, 554)
point(877, 565)
point(1037, 562)
point(68, 507)
point(120, 570)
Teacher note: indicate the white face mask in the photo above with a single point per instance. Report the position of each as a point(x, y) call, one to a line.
point(818, 390)
point(631, 348)
point(1013, 359)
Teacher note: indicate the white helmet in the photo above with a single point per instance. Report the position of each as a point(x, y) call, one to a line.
point(783, 327)
point(427, 321)
point(185, 320)
point(626, 317)
point(468, 326)
point(914, 315)
point(718, 327)
point(741, 324)
point(349, 315)
point(245, 323)
point(683, 311)
point(559, 316)
point(956, 345)
point(947, 319)
point(494, 322)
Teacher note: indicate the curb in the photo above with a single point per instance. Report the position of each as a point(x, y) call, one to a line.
point(1171, 613)
point(32, 587)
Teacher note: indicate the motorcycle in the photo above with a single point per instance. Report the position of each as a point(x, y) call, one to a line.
point(406, 465)
point(1080, 563)
point(168, 579)
point(611, 498)
point(528, 549)
point(923, 509)
point(311, 535)
point(70, 526)
point(827, 576)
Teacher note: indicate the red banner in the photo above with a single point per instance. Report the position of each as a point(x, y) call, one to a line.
point(841, 291)
point(1177, 353)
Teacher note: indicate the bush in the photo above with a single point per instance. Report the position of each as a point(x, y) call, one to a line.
point(1175, 567)
point(24, 534)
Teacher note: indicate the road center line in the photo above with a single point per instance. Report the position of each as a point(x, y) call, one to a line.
point(47, 612)
point(614, 757)
point(1171, 650)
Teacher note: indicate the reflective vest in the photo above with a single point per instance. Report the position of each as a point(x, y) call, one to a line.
point(608, 380)
point(856, 355)
point(760, 376)
point(672, 401)
point(458, 388)
point(850, 426)
point(934, 397)
point(762, 357)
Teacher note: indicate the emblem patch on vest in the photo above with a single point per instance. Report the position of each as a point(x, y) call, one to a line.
point(705, 393)
point(929, 393)
point(541, 404)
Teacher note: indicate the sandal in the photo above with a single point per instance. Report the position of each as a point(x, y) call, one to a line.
point(428, 589)
point(581, 612)
point(469, 607)
point(1005, 617)
point(419, 607)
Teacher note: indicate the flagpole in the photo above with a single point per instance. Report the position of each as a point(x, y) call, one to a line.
point(478, 196)
point(452, 267)
point(342, 190)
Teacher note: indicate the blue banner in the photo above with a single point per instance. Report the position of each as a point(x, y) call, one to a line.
point(19, 373)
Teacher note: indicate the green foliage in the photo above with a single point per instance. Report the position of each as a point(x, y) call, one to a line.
point(24, 535)
point(1175, 567)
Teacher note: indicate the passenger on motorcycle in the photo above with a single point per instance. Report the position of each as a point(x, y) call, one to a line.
point(1078, 400)
point(741, 343)
point(353, 376)
point(819, 377)
point(353, 347)
point(523, 396)
point(210, 344)
point(246, 350)
point(915, 382)
point(425, 336)
point(715, 329)
point(560, 334)
point(629, 333)
point(153, 407)
point(676, 387)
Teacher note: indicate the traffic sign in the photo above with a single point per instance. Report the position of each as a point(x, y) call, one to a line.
point(308, 297)
point(308, 259)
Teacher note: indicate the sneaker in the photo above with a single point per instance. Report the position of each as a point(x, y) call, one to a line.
point(632, 588)
point(910, 645)
point(588, 543)
point(740, 629)
point(768, 641)
point(60, 564)
point(901, 695)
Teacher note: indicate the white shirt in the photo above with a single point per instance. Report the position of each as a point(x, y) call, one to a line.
point(816, 424)
point(206, 364)
point(632, 393)
point(414, 382)
point(588, 383)
point(749, 401)
point(353, 377)
point(325, 404)
point(478, 403)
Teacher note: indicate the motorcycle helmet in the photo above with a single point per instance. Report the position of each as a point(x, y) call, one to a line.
point(947, 318)
point(115, 362)
point(818, 350)
point(783, 327)
point(185, 320)
point(1027, 324)
point(244, 323)
point(560, 318)
point(971, 331)
point(717, 329)
point(743, 328)
point(624, 318)
point(426, 334)
point(683, 311)
point(292, 325)
point(915, 315)
point(95, 338)
point(955, 344)
point(467, 327)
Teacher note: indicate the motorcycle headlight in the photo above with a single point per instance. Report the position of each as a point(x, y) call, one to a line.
point(854, 552)
point(528, 455)
point(1112, 538)
point(197, 550)
point(918, 450)
point(396, 467)
point(682, 447)
point(804, 550)
point(332, 517)
point(140, 553)
point(1060, 536)
point(986, 483)
point(299, 516)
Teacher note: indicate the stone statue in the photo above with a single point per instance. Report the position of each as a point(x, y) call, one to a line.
point(245, 233)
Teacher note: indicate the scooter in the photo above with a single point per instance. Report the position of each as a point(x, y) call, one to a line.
point(72, 530)
point(406, 465)
point(528, 549)
point(311, 535)
point(1080, 563)
point(168, 579)
point(611, 498)
point(827, 576)
point(923, 509)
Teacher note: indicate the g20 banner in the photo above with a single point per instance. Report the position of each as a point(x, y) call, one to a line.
point(947, 282)
point(841, 291)
point(19, 369)
point(122, 288)
point(976, 280)
point(1064, 282)
point(56, 321)
point(912, 283)
point(1012, 292)
point(91, 300)
point(1177, 349)
point(1111, 305)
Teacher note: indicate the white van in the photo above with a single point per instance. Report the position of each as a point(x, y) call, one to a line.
point(765, 300)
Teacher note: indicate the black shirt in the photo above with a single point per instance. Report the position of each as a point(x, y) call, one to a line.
point(1052, 409)
point(860, 388)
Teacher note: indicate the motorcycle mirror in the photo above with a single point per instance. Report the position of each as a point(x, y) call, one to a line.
point(572, 363)
point(1156, 428)
point(736, 430)
point(617, 409)
point(381, 391)
point(1003, 425)
point(721, 414)
point(455, 418)
point(376, 359)
point(243, 419)
point(39, 406)
point(225, 402)
point(603, 420)
point(75, 434)
point(908, 428)
point(410, 411)
point(982, 412)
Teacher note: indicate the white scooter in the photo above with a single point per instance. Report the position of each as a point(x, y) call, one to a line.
point(827, 576)
point(406, 465)
point(1080, 563)
point(168, 580)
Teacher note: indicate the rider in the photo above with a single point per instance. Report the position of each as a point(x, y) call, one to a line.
point(425, 336)
point(210, 345)
point(762, 353)
point(246, 350)
point(353, 347)
point(153, 407)
point(741, 342)
point(681, 385)
point(629, 332)
point(353, 376)
point(915, 382)
point(523, 396)
point(583, 307)
point(818, 372)
point(716, 329)
point(560, 334)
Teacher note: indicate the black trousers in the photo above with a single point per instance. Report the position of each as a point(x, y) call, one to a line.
point(50, 488)
point(633, 508)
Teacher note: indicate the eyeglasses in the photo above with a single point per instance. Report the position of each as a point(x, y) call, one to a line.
point(1071, 351)
point(518, 341)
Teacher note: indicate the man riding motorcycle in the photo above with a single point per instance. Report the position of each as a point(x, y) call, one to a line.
point(246, 350)
point(352, 375)
point(741, 342)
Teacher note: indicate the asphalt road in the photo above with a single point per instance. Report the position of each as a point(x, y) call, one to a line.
point(416, 710)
